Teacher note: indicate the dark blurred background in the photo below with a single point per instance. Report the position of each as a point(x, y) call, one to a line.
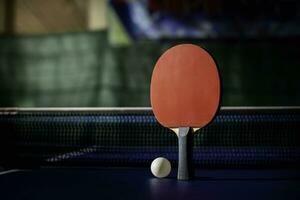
point(102, 52)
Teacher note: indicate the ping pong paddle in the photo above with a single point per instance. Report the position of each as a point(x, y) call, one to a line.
point(185, 95)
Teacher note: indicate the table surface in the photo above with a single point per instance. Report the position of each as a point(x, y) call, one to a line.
point(238, 137)
point(138, 183)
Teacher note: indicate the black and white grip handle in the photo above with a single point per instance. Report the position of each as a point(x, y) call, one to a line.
point(184, 153)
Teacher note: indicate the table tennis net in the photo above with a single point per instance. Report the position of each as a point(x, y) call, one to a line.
point(236, 138)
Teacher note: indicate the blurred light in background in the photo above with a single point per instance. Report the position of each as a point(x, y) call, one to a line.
point(102, 52)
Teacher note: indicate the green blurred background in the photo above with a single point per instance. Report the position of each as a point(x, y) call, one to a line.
point(103, 67)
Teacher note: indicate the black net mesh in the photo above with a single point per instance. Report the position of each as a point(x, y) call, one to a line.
point(236, 138)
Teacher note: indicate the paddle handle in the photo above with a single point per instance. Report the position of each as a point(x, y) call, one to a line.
point(183, 157)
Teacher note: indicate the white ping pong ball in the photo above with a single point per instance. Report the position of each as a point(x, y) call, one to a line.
point(160, 167)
